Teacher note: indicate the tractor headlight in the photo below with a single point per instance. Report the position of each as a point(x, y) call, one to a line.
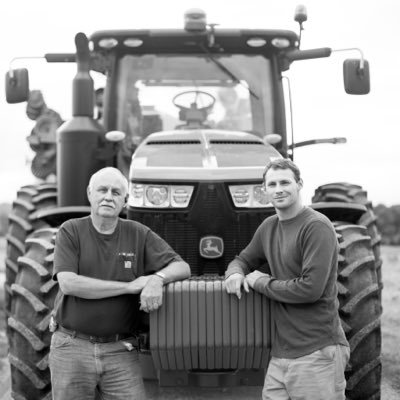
point(248, 196)
point(260, 196)
point(181, 195)
point(160, 196)
point(240, 195)
point(156, 196)
point(137, 192)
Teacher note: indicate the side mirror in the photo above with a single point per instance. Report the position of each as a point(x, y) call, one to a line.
point(17, 85)
point(356, 79)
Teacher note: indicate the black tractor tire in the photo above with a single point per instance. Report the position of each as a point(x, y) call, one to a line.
point(29, 199)
point(360, 311)
point(32, 298)
point(350, 193)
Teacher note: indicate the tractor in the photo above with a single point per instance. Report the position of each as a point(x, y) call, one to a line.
point(191, 116)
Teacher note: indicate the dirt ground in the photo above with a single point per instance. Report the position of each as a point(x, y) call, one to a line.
point(390, 326)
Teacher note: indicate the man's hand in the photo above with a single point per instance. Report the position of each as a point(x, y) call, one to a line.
point(234, 283)
point(253, 276)
point(137, 285)
point(151, 296)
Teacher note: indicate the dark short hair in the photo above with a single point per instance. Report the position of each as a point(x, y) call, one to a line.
point(283, 163)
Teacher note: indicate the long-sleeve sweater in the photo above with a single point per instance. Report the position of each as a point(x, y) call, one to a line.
point(302, 255)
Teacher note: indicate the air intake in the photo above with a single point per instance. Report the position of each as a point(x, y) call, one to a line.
point(180, 142)
point(235, 142)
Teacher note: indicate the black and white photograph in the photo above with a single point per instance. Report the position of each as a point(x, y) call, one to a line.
point(199, 200)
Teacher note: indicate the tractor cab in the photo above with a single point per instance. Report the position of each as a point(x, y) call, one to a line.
point(224, 79)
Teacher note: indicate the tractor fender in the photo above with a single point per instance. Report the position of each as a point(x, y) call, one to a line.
point(339, 211)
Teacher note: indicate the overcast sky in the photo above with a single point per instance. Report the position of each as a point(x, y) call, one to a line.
point(321, 107)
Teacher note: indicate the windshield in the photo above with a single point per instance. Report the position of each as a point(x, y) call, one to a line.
point(166, 92)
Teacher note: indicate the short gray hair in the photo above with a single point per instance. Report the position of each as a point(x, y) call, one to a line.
point(108, 169)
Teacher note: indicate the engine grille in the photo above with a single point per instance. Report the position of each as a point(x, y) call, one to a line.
point(210, 213)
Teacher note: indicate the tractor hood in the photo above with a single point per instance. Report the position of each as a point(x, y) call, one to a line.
point(201, 155)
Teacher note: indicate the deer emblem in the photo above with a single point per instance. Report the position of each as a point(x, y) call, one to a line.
point(211, 247)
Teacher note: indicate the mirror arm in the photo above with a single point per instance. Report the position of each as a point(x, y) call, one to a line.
point(354, 49)
point(49, 57)
point(11, 69)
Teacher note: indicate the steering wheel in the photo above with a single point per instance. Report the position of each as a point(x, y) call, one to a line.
point(195, 104)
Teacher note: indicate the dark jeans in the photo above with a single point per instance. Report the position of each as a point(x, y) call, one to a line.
point(78, 366)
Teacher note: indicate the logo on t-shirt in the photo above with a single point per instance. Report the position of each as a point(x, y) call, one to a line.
point(128, 259)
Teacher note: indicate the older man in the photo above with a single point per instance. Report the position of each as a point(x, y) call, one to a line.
point(106, 268)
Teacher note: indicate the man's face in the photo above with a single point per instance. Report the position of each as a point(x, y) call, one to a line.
point(282, 188)
point(107, 195)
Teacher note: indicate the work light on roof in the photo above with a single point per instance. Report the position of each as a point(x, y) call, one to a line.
point(108, 43)
point(195, 20)
point(133, 42)
point(280, 43)
point(256, 42)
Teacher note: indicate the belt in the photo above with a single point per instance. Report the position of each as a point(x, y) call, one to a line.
point(97, 339)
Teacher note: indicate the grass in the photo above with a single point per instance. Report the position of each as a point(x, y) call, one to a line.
point(391, 316)
point(3, 338)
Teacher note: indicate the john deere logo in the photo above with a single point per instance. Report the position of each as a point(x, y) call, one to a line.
point(211, 247)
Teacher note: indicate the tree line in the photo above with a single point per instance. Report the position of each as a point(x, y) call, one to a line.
point(5, 209)
point(388, 222)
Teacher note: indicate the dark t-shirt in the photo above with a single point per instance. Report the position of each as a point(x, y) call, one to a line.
point(302, 255)
point(130, 251)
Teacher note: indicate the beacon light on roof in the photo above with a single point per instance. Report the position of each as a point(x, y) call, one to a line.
point(300, 13)
point(256, 42)
point(280, 43)
point(195, 20)
point(108, 43)
point(133, 42)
